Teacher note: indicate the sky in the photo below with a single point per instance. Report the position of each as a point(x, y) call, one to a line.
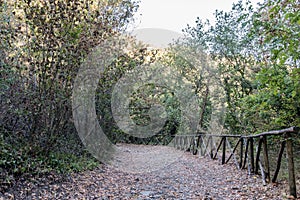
point(174, 15)
point(160, 22)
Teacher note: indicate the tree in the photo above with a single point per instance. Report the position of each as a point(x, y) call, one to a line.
point(275, 104)
point(45, 43)
point(228, 44)
point(258, 63)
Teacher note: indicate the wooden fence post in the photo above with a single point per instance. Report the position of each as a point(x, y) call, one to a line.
point(200, 145)
point(194, 144)
point(252, 154)
point(211, 147)
point(246, 154)
point(292, 180)
point(241, 152)
point(266, 158)
point(224, 151)
point(258, 155)
point(279, 161)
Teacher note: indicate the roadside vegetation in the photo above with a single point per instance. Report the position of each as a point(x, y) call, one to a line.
point(245, 70)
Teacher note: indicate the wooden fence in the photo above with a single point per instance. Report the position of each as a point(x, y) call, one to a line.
point(249, 152)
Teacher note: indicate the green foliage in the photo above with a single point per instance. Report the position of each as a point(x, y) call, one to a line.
point(277, 23)
point(275, 103)
point(229, 45)
point(140, 102)
point(190, 60)
point(257, 53)
point(42, 46)
point(276, 27)
point(22, 159)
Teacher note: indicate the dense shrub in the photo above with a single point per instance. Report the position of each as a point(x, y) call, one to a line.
point(42, 46)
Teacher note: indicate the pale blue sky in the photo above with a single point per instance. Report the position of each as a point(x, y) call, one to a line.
point(176, 14)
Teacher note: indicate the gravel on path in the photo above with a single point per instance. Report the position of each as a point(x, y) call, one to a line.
point(151, 172)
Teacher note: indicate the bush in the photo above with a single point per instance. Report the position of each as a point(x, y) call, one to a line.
point(42, 44)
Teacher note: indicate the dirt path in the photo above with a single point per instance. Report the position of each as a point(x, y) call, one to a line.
point(159, 173)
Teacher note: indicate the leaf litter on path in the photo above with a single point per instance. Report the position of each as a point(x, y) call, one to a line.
point(150, 172)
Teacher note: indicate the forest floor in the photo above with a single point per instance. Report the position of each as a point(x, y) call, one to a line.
point(150, 172)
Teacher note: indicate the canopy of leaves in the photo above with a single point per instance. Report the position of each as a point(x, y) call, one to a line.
point(42, 44)
point(257, 53)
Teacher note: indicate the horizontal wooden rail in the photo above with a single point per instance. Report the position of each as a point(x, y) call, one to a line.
point(248, 156)
point(293, 129)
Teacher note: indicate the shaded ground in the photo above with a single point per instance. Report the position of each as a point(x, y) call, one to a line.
point(186, 177)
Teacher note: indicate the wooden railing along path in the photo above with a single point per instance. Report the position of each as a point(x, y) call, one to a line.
point(246, 153)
